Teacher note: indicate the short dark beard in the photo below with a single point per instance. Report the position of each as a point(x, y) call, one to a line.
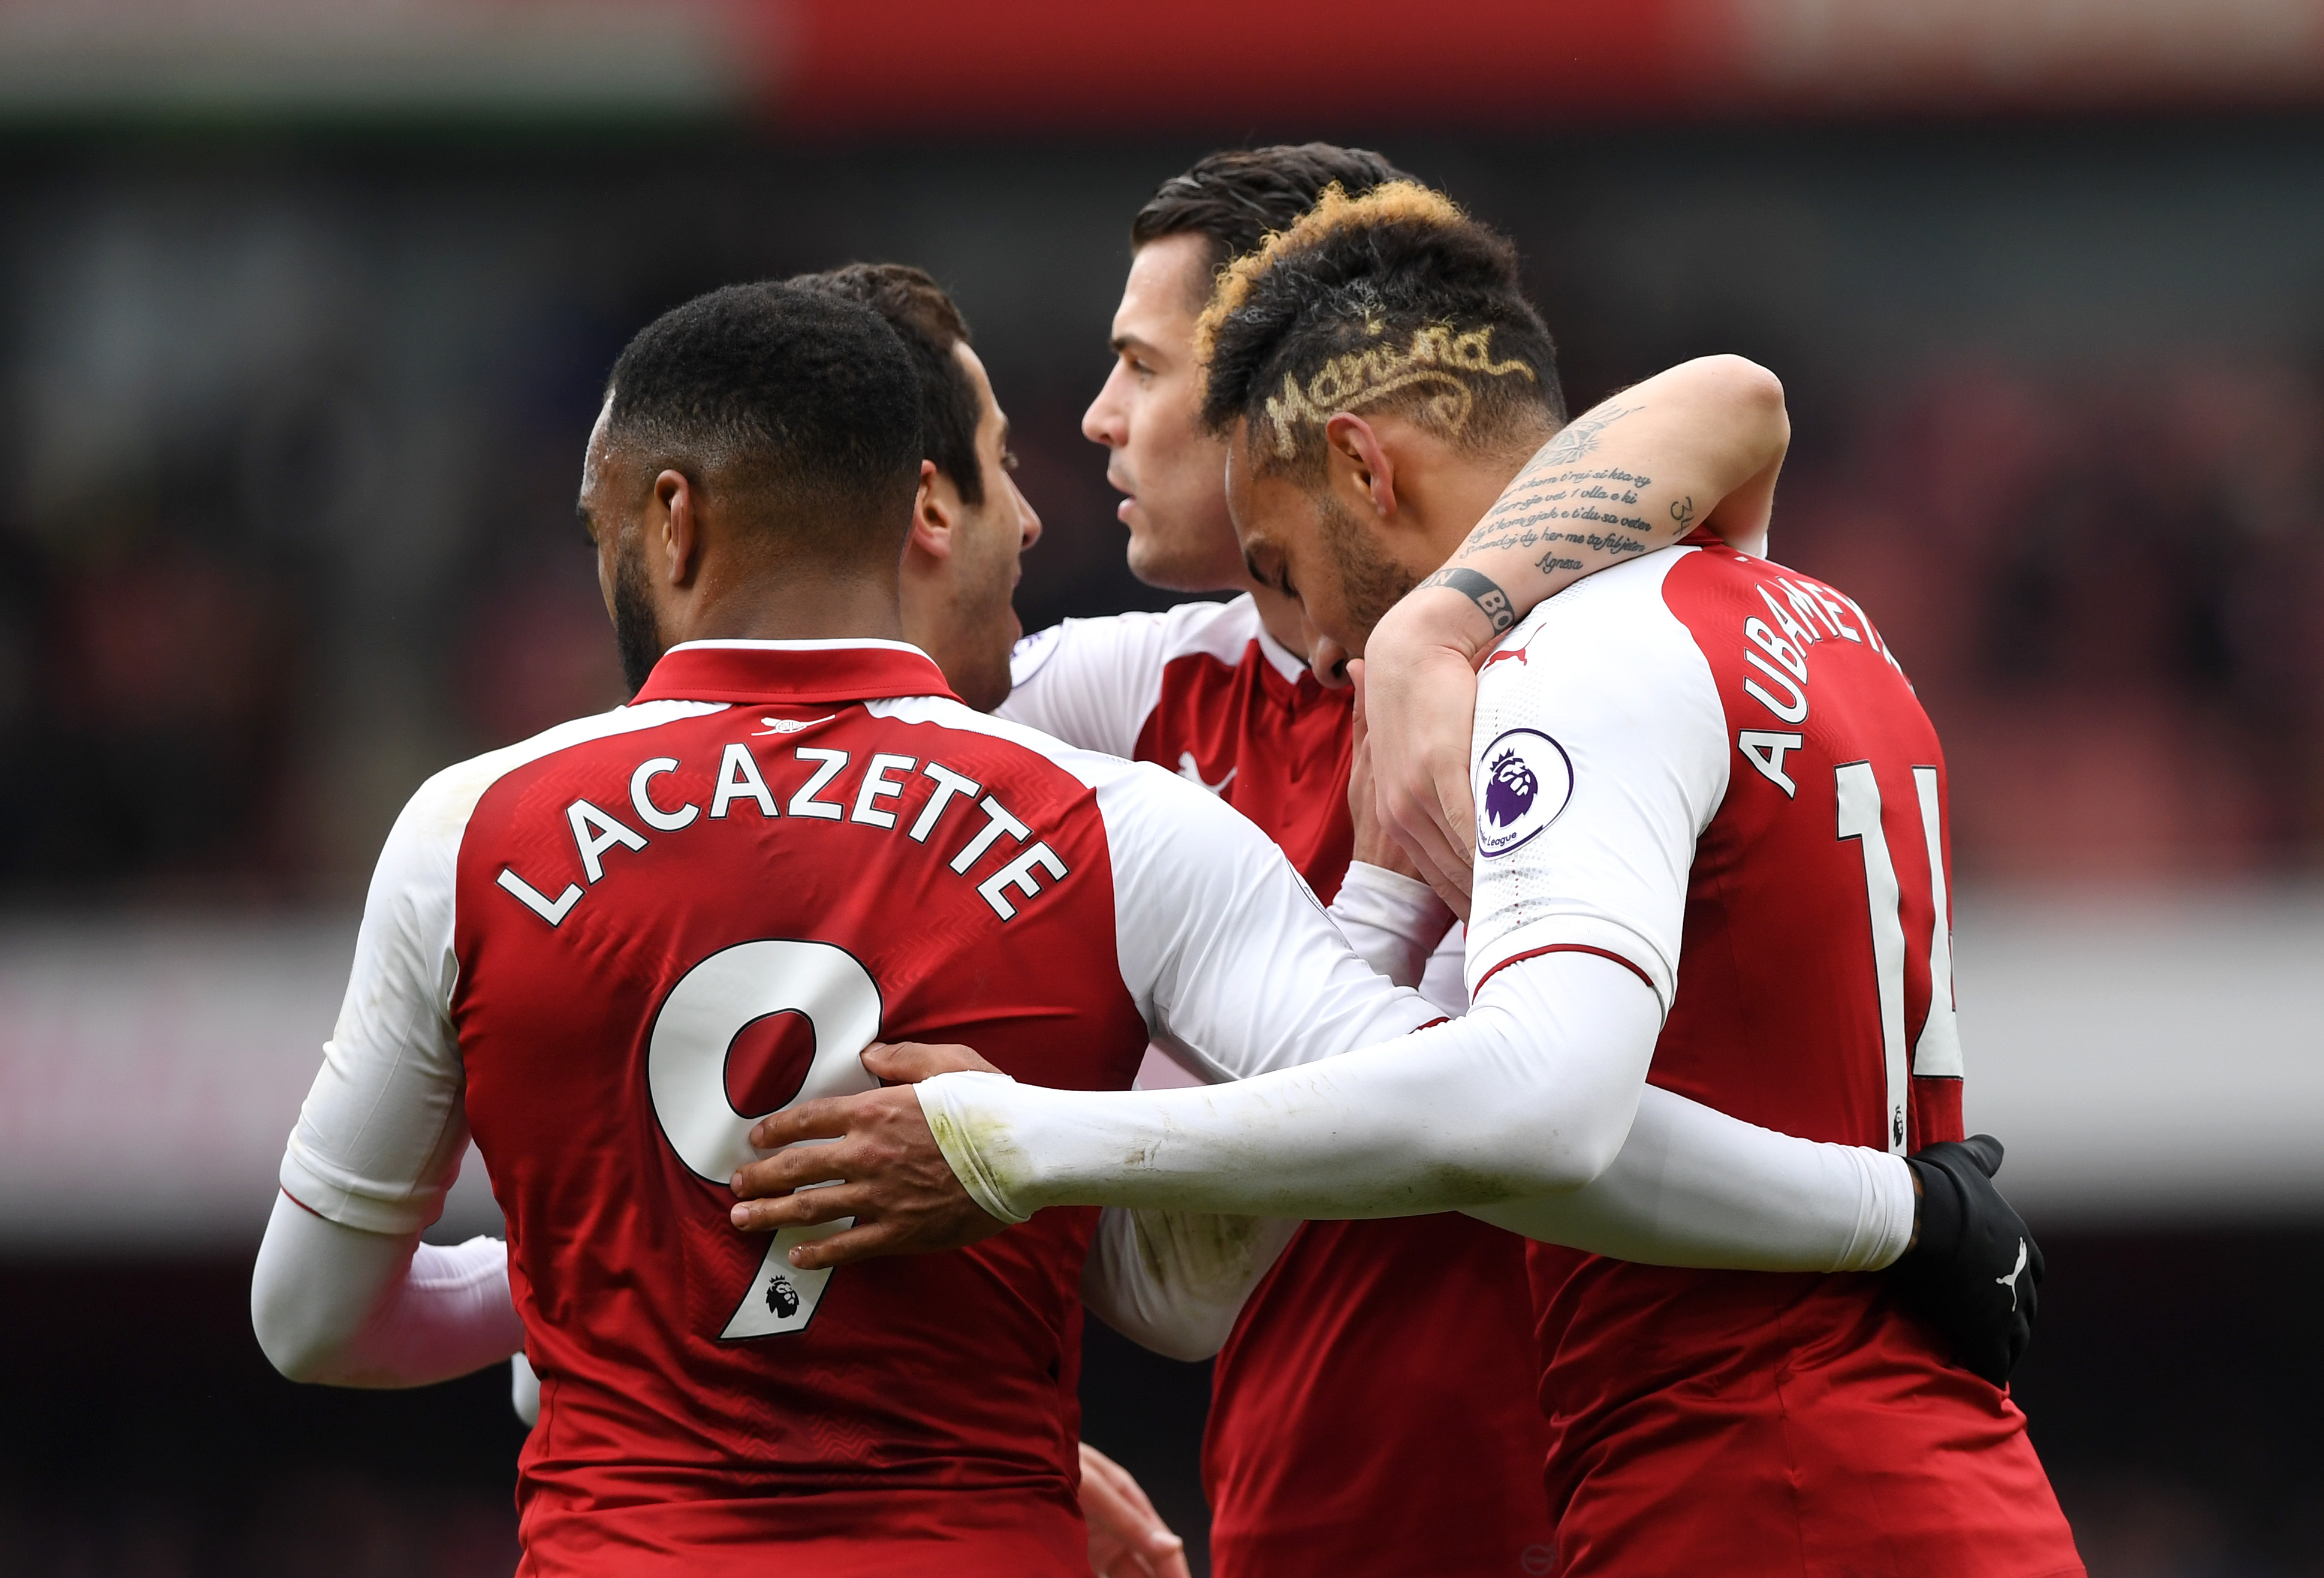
point(636, 632)
point(1371, 582)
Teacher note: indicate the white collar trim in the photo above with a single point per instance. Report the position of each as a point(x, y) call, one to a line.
point(1286, 662)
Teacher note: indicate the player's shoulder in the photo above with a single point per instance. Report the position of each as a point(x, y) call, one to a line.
point(982, 735)
point(1609, 624)
point(1224, 630)
point(1747, 605)
point(439, 810)
point(1221, 630)
point(1152, 819)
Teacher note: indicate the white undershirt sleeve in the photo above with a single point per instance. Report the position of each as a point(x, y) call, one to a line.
point(1394, 922)
point(1444, 978)
point(1532, 1094)
point(1175, 1281)
point(342, 1307)
point(1224, 949)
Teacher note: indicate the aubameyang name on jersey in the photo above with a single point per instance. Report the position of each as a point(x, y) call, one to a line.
point(597, 832)
point(1805, 613)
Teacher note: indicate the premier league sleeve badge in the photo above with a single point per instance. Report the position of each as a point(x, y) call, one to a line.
point(1522, 780)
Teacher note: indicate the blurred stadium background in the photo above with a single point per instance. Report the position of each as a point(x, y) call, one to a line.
point(304, 311)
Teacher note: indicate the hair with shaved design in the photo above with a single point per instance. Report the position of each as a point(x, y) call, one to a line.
point(1394, 300)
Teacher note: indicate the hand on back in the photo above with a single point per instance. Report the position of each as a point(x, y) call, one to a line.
point(893, 1179)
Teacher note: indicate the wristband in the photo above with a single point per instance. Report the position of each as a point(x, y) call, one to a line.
point(1478, 588)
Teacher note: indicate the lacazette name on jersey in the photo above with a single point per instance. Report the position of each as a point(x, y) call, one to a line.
point(742, 787)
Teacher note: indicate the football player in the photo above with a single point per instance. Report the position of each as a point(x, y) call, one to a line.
point(601, 950)
point(1412, 1336)
point(1709, 857)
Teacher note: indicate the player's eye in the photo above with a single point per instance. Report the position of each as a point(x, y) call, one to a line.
point(1271, 574)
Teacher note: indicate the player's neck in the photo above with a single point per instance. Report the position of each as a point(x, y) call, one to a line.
point(789, 608)
point(1441, 495)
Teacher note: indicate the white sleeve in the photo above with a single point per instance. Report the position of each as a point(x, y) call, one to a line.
point(1600, 754)
point(1394, 922)
point(1444, 978)
point(1090, 682)
point(524, 1390)
point(1176, 1281)
point(384, 1125)
point(342, 1307)
point(1225, 950)
point(1532, 1093)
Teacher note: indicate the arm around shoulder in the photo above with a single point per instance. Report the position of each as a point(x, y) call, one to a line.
point(1225, 949)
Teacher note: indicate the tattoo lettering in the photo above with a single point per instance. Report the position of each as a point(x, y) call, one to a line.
point(1549, 564)
point(1683, 509)
point(1540, 496)
point(1478, 588)
point(1534, 486)
point(1524, 532)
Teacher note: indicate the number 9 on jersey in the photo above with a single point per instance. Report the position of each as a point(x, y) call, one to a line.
point(686, 1072)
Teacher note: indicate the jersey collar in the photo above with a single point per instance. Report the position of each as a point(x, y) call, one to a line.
point(1290, 665)
point(811, 673)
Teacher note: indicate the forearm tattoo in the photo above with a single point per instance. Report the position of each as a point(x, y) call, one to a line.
point(1552, 490)
point(1478, 588)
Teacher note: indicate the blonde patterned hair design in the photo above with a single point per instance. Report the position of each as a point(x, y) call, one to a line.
point(1442, 362)
point(1356, 379)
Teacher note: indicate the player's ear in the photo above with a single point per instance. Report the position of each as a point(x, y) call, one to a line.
point(936, 514)
point(672, 520)
point(1356, 450)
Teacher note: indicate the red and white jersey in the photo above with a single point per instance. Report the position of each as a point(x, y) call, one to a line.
point(1371, 1411)
point(1205, 691)
point(607, 950)
point(1709, 768)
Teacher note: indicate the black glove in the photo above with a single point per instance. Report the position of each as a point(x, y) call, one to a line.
point(1975, 1272)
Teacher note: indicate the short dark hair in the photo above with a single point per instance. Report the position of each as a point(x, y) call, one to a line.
point(1238, 198)
point(802, 398)
point(1394, 300)
point(930, 325)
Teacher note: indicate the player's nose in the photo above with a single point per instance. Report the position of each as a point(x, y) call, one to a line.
point(1029, 519)
point(1328, 661)
point(1104, 422)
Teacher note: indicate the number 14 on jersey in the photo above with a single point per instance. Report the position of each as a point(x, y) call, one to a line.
point(1937, 1052)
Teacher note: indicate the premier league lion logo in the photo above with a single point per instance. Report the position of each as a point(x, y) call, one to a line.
point(1509, 795)
point(782, 1297)
point(1523, 780)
